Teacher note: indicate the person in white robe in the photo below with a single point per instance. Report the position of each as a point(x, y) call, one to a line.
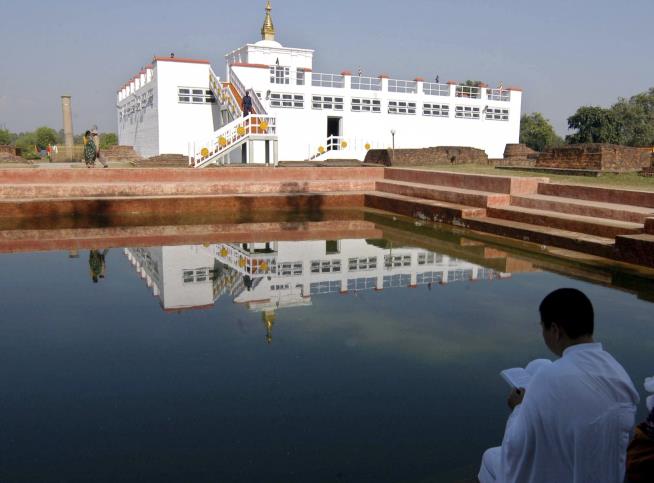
point(575, 421)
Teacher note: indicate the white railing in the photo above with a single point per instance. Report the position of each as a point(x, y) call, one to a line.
point(498, 94)
point(354, 146)
point(225, 139)
point(433, 89)
point(404, 86)
point(327, 80)
point(471, 92)
point(240, 88)
point(233, 78)
point(366, 83)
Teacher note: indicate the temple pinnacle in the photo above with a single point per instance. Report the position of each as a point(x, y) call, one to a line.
point(268, 29)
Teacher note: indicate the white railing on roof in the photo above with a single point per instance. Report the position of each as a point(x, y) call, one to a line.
point(433, 89)
point(327, 80)
point(366, 83)
point(471, 92)
point(231, 135)
point(404, 86)
point(498, 94)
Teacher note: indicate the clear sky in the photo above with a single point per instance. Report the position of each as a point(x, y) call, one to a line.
point(563, 53)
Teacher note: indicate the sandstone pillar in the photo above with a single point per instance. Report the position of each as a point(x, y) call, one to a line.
point(67, 111)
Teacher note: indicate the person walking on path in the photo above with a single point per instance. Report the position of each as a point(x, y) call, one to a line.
point(89, 150)
point(96, 140)
point(574, 421)
point(247, 105)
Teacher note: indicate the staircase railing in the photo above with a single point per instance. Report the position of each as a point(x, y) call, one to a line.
point(351, 145)
point(229, 137)
point(240, 88)
point(224, 95)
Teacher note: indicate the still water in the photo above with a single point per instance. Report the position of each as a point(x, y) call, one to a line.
point(343, 360)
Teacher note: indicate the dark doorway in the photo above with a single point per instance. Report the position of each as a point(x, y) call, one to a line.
point(333, 129)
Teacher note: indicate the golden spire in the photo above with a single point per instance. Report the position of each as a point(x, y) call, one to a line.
point(268, 322)
point(268, 29)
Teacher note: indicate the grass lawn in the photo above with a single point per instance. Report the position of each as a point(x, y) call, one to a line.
point(626, 180)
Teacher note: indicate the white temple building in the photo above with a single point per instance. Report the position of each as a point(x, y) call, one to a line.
point(181, 106)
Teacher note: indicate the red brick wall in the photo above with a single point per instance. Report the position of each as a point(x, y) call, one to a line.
point(599, 157)
point(441, 155)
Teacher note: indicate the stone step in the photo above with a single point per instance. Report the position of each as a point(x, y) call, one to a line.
point(85, 190)
point(244, 207)
point(555, 237)
point(614, 211)
point(222, 174)
point(601, 227)
point(480, 199)
point(595, 193)
point(649, 226)
point(439, 211)
point(638, 249)
point(478, 182)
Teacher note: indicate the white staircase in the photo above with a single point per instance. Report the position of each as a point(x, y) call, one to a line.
point(217, 148)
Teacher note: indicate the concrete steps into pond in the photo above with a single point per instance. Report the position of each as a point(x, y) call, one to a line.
point(480, 199)
point(601, 227)
point(425, 209)
point(186, 188)
point(543, 235)
point(599, 194)
point(574, 206)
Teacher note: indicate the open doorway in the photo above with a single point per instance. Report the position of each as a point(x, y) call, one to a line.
point(334, 129)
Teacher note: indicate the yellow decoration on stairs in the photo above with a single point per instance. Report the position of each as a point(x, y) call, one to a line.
point(222, 141)
point(240, 131)
point(264, 266)
point(263, 125)
point(241, 262)
point(343, 144)
point(204, 152)
point(223, 252)
point(321, 149)
point(367, 146)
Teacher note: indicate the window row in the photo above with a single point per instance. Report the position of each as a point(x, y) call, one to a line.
point(195, 95)
point(325, 266)
point(359, 104)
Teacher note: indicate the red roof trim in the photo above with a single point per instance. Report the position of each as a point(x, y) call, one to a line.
point(179, 59)
point(346, 72)
point(514, 88)
point(452, 83)
point(244, 64)
point(419, 79)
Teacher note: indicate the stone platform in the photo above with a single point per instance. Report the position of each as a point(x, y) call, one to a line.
point(605, 222)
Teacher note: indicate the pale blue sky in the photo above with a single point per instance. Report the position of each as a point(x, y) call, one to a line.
point(562, 53)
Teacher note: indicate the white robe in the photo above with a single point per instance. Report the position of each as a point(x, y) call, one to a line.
point(574, 424)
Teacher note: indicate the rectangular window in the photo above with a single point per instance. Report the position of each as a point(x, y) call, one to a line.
point(279, 75)
point(365, 105)
point(467, 112)
point(397, 261)
point(362, 263)
point(401, 107)
point(497, 114)
point(327, 102)
point(193, 95)
point(289, 269)
point(498, 95)
point(471, 92)
point(429, 277)
point(291, 101)
point(325, 266)
point(362, 284)
point(325, 287)
point(407, 87)
point(299, 77)
point(429, 258)
point(366, 83)
point(436, 110)
point(397, 280)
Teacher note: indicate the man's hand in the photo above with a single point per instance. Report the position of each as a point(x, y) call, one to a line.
point(515, 397)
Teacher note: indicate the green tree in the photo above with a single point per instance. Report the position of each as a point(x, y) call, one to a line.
point(44, 136)
point(5, 137)
point(537, 132)
point(27, 143)
point(595, 124)
point(636, 117)
point(108, 139)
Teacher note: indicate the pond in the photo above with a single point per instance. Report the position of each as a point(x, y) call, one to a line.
point(372, 359)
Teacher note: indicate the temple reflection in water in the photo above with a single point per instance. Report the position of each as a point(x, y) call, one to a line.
point(266, 277)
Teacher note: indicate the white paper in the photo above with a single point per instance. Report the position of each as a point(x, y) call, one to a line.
point(518, 377)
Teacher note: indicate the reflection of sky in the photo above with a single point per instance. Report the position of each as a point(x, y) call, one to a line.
point(399, 385)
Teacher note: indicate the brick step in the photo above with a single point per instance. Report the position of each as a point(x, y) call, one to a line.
point(432, 210)
point(614, 211)
point(601, 227)
point(595, 193)
point(243, 206)
point(86, 190)
point(649, 226)
point(240, 173)
point(478, 182)
point(449, 194)
point(555, 237)
point(638, 249)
